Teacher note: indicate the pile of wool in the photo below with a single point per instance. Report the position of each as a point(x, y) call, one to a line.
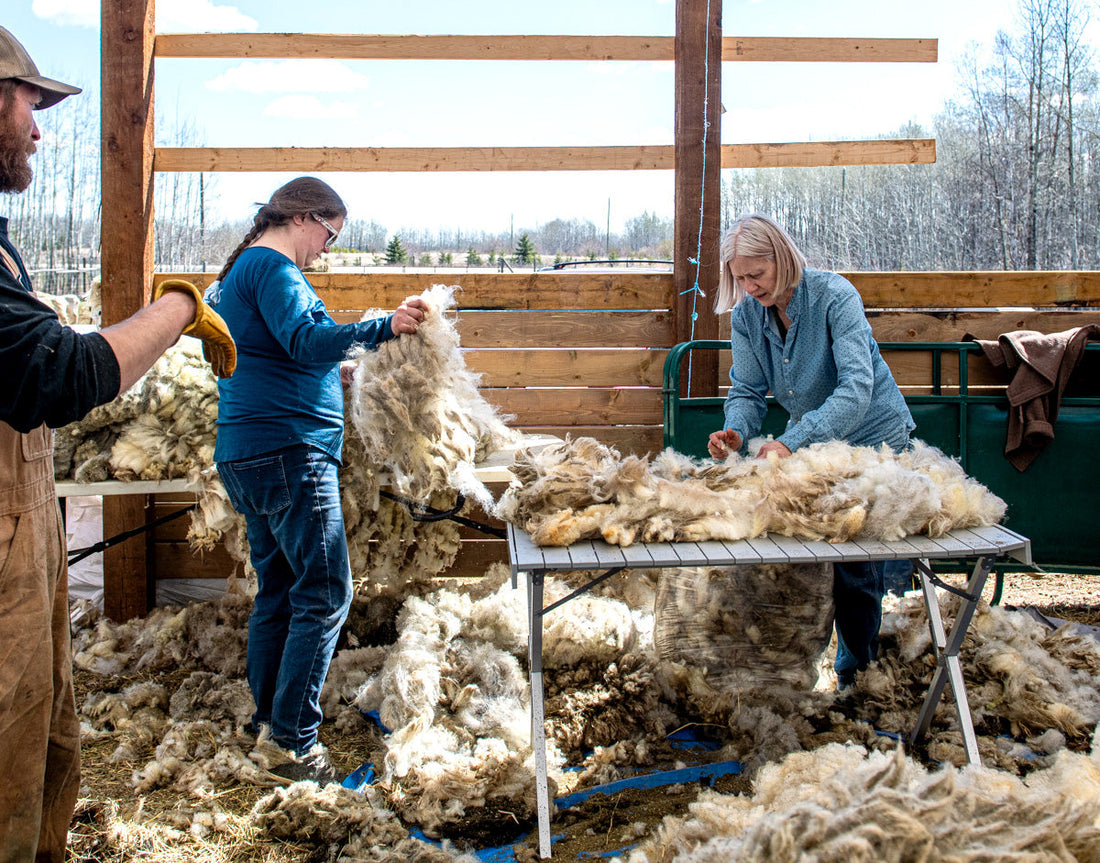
point(160, 428)
point(136, 717)
point(418, 424)
point(747, 627)
point(295, 823)
point(417, 410)
point(453, 690)
point(304, 812)
point(201, 741)
point(457, 713)
point(1023, 681)
point(204, 635)
point(75, 309)
point(198, 728)
point(582, 489)
point(840, 803)
point(454, 696)
point(163, 427)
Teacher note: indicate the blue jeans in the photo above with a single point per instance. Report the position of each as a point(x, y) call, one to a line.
point(857, 591)
point(291, 503)
point(897, 576)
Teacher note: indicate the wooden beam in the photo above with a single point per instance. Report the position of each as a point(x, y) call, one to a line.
point(415, 159)
point(984, 290)
point(558, 367)
point(413, 47)
point(643, 157)
point(900, 151)
point(126, 108)
point(126, 246)
point(698, 189)
point(347, 46)
point(512, 291)
point(595, 292)
point(828, 50)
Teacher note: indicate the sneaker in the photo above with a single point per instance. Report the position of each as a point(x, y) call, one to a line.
point(313, 766)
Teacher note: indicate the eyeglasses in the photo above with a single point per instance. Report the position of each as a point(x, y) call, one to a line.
point(332, 232)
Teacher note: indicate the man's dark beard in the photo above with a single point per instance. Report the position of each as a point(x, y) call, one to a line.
point(15, 167)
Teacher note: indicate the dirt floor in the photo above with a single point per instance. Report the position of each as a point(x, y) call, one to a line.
point(601, 826)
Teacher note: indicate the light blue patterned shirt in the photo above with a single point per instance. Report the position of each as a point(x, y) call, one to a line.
point(827, 373)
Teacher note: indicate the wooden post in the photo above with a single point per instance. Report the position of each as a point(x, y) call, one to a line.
point(698, 182)
point(126, 65)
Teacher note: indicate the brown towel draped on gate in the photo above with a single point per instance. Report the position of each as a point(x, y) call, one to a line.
point(1042, 364)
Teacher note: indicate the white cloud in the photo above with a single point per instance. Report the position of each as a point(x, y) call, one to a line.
point(290, 76)
point(191, 16)
point(75, 13)
point(303, 107)
point(171, 15)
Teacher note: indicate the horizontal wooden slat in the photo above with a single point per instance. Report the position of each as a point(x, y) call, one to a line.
point(828, 50)
point(596, 406)
point(638, 440)
point(953, 326)
point(573, 329)
point(176, 560)
point(503, 329)
point(639, 157)
point(353, 46)
point(904, 151)
point(960, 292)
point(976, 290)
point(520, 291)
point(939, 326)
point(583, 367)
point(349, 46)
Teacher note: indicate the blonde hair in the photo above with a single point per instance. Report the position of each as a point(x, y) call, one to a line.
point(757, 236)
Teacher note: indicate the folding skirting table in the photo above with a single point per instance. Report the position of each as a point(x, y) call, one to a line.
point(984, 545)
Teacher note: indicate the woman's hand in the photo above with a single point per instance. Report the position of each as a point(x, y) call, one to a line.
point(774, 446)
point(347, 374)
point(722, 443)
point(409, 315)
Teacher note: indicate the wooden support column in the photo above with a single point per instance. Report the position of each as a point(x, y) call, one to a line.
point(126, 66)
point(698, 182)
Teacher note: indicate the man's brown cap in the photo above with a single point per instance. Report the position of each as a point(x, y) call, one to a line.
point(16, 63)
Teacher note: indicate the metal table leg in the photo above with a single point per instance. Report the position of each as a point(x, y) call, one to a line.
point(538, 714)
point(948, 665)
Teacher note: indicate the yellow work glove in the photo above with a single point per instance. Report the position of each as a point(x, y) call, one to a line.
point(208, 326)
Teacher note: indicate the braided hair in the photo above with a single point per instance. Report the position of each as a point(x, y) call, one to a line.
point(301, 196)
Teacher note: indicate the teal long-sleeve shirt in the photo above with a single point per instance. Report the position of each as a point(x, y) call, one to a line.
point(286, 389)
point(827, 373)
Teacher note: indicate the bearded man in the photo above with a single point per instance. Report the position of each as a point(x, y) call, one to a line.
point(51, 377)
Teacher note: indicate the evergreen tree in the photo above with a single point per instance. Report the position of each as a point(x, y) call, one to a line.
point(395, 251)
point(525, 250)
point(473, 259)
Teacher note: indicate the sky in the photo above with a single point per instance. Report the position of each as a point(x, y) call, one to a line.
point(402, 103)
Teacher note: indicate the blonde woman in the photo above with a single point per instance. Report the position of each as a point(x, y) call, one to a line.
point(801, 334)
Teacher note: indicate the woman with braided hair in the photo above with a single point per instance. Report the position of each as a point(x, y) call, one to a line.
point(280, 437)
